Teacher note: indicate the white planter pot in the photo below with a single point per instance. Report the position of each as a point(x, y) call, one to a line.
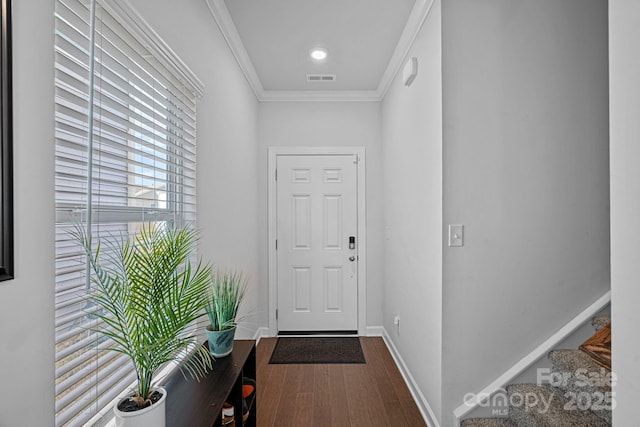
point(151, 416)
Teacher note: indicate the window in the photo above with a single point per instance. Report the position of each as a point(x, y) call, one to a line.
point(125, 154)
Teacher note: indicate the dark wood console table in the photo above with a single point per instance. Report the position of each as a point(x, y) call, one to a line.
point(199, 404)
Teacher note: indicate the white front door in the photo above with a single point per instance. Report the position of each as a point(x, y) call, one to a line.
point(317, 242)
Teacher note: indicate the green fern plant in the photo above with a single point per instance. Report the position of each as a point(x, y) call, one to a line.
point(149, 292)
point(226, 293)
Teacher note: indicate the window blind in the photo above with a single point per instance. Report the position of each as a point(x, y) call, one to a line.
point(125, 136)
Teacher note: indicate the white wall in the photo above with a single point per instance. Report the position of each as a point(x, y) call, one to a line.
point(332, 124)
point(526, 171)
point(227, 140)
point(624, 59)
point(412, 172)
point(26, 303)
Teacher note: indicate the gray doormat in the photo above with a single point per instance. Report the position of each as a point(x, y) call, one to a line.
point(295, 350)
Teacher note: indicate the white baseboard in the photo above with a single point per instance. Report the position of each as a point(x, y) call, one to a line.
point(549, 344)
point(424, 407)
point(261, 333)
point(374, 331)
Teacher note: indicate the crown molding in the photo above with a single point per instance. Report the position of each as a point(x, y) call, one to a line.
point(417, 18)
point(318, 95)
point(223, 20)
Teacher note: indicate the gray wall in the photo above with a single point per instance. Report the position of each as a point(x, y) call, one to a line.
point(26, 303)
point(412, 188)
point(327, 124)
point(624, 56)
point(526, 171)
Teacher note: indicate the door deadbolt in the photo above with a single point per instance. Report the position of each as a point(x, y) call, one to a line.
point(352, 242)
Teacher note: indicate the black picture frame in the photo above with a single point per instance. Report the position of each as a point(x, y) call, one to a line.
point(6, 145)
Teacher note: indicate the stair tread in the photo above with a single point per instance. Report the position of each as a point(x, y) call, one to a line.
point(487, 422)
point(540, 406)
point(583, 378)
point(572, 360)
point(579, 372)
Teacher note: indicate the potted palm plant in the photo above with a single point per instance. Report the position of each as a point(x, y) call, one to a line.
point(226, 293)
point(149, 293)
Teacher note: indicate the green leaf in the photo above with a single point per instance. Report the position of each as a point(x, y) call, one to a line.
point(149, 291)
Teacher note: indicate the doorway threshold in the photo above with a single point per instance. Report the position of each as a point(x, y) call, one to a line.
point(316, 333)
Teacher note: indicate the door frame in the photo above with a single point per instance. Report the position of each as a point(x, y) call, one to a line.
point(273, 153)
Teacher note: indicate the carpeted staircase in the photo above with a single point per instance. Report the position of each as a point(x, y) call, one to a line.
point(577, 394)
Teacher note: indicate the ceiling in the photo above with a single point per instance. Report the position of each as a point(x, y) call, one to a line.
point(366, 40)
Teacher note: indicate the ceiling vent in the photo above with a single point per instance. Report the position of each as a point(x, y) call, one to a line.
point(321, 77)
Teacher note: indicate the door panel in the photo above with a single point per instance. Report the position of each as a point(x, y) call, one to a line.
point(316, 204)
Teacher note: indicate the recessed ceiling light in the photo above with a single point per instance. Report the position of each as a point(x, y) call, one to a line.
point(318, 54)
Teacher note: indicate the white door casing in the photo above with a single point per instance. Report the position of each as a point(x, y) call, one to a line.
point(316, 281)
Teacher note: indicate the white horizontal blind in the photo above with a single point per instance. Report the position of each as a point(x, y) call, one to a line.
point(141, 156)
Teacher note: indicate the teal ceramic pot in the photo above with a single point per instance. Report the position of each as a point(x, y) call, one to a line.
point(220, 342)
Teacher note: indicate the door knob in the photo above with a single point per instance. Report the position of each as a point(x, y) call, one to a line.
point(352, 258)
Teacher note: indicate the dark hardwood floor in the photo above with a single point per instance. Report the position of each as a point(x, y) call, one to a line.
point(370, 394)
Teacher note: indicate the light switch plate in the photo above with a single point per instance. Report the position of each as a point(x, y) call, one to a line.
point(456, 235)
